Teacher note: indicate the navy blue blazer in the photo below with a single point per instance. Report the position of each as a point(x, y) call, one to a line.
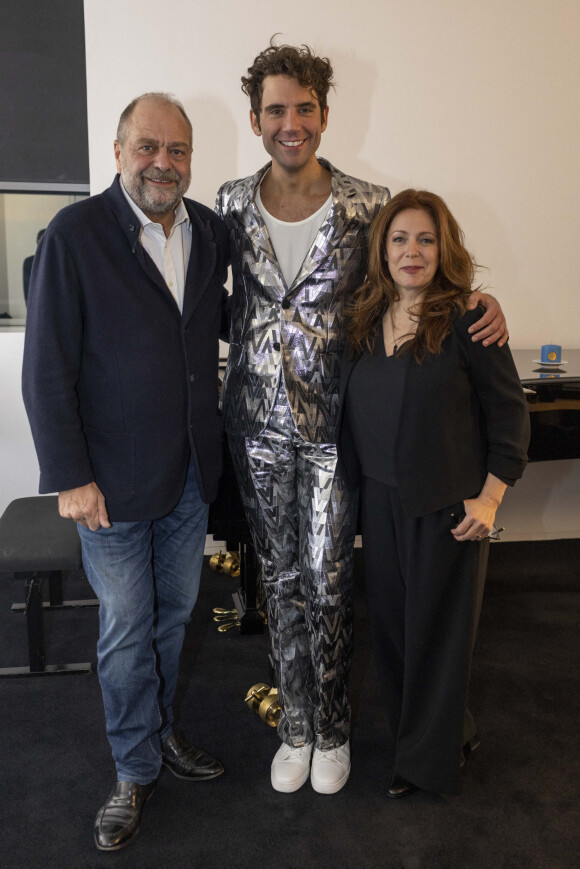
point(120, 387)
point(463, 415)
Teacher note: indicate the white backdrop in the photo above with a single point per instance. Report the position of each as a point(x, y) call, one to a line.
point(476, 101)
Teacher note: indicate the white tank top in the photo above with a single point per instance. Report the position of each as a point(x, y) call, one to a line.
point(292, 241)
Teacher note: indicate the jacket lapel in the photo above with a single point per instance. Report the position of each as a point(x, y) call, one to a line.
point(347, 365)
point(254, 222)
point(332, 230)
point(152, 271)
point(129, 223)
point(256, 234)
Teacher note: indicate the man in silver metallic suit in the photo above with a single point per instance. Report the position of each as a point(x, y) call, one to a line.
point(298, 231)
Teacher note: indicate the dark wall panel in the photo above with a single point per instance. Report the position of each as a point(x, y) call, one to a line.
point(43, 100)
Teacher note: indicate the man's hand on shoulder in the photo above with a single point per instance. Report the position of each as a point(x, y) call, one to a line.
point(85, 505)
point(492, 326)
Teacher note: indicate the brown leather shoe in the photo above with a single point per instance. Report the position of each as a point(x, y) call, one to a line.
point(117, 820)
point(188, 762)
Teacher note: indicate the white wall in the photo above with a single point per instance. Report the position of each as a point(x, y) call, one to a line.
point(477, 101)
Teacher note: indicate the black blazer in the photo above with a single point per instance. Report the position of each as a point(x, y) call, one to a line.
point(119, 386)
point(463, 415)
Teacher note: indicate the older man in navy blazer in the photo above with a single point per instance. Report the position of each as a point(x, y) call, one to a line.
point(125, 308)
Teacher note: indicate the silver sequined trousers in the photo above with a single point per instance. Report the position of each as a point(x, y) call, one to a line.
point(303, 522)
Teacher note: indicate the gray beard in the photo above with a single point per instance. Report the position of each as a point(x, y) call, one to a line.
point(148, 200)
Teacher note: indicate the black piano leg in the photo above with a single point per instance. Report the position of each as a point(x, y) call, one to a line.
point(246, 598)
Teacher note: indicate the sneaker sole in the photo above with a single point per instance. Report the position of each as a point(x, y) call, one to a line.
point(290, 787)
point(329, 789)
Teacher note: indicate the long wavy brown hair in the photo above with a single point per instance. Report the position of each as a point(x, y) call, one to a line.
point(444, 297)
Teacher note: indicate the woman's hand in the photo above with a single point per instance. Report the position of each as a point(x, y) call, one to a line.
point(480, 512)
point(492, 326)
point(478, 521)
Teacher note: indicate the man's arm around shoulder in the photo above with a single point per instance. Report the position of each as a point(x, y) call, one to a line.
point(492, 326)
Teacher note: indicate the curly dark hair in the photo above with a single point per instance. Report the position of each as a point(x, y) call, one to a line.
point(447, 294)
point(311, 72)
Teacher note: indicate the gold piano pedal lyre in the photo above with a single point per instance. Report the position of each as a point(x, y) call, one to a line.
point(227, 618)
point(225, 626)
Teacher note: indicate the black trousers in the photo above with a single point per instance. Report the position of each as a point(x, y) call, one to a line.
point(424, 592)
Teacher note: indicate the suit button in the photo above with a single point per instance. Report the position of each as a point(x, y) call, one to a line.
point(286, 303)
point(276, 345)
point(191, 378)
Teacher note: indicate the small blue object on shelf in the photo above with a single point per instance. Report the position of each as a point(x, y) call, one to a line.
point(551, 353)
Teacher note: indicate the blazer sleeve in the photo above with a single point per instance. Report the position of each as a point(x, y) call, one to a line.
point(51, 365)
point(500, 394)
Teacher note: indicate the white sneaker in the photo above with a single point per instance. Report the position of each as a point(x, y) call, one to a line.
point(291, 767)
point(330, 769)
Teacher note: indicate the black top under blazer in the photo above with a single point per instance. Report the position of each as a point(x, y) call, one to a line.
point(119, 386)
point(463, 415)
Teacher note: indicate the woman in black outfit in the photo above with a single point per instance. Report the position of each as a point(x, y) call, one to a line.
point(434, 427)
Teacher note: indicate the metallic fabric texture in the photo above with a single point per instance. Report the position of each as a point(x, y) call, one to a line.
point(298, 329)
point(280, 405)
point(303, 521)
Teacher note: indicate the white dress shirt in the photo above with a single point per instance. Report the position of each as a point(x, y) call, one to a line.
point(170, 255)
point(292, 241)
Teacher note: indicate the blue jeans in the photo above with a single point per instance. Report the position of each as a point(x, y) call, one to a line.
point(146, 577)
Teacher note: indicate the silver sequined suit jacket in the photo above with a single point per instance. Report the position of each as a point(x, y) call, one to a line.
point(296, 329)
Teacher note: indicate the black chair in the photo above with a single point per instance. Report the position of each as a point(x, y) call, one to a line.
point(36, 544)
